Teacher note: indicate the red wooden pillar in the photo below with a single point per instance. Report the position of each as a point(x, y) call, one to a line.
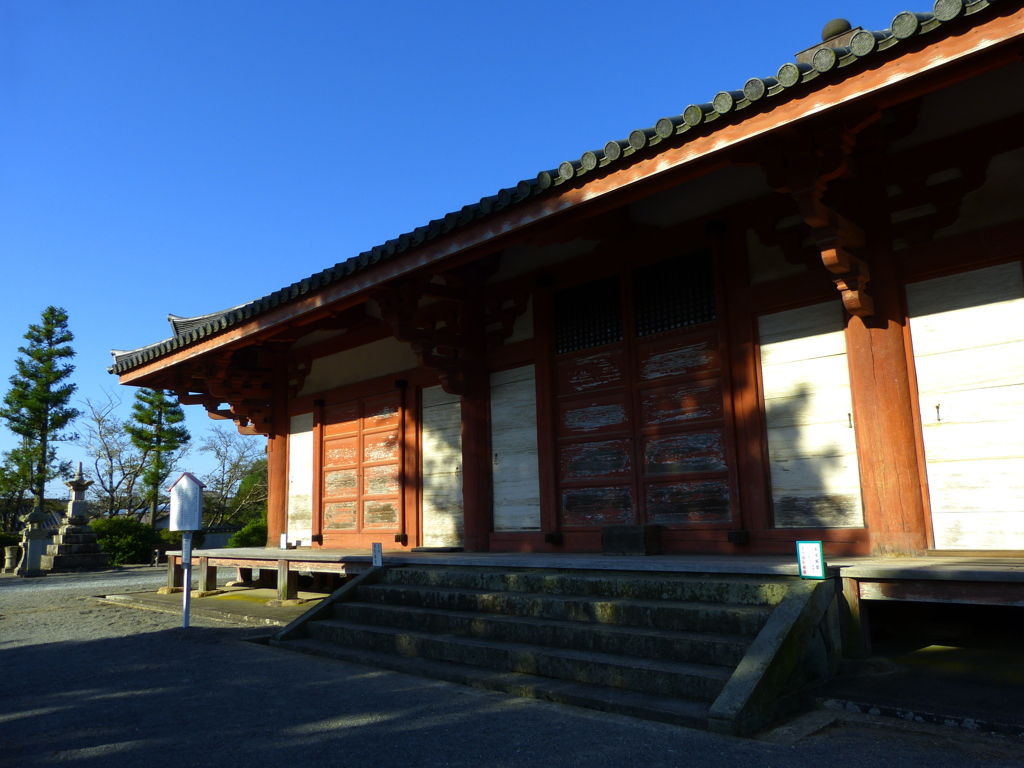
point(277, 453)
point(476, 466)
point(883, 411)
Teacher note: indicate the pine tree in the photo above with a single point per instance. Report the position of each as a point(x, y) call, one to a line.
point(153, 428)
point(36, 406)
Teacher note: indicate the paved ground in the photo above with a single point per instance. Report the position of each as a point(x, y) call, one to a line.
point(95, 684)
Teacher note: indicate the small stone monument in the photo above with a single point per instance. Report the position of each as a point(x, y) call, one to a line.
point(75, 545)
point(33, 539)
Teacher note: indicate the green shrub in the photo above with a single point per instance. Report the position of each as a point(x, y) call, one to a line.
point(172, 540)
point(252, 534)
point(126, 541)
point(9, 539)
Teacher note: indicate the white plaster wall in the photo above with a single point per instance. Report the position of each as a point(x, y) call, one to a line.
point(968, 335)
point(300, 479)
point(514, 450)
point(812, 447)
point(378, 358)
point(441, 457)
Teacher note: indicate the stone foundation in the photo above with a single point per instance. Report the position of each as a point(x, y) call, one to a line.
point(74, 548)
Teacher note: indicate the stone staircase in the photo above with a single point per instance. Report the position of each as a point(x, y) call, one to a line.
point(662, 647)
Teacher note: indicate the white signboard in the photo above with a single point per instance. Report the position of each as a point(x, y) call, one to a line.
point(378, 555)
point(186, 504)
point(810, 556)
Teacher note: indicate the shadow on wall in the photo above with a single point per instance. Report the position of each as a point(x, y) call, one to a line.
point(814, 477)
point(441, 458)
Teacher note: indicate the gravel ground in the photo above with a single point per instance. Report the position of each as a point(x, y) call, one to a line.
point(94, 684)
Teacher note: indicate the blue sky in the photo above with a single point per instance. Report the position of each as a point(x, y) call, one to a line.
point(188, 156)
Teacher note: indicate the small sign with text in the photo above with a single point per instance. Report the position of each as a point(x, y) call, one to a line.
point(378, 554)
point(810, 556)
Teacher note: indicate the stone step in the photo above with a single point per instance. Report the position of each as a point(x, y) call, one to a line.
point(699, 682)
point(74, 562)
point(73, 549)
point(718, 618)
point(696, 647)
point(75, 538)
point(744, 590)
point(665, 709)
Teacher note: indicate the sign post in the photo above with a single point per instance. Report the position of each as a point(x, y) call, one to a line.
point(186, 516)
point(377, 550)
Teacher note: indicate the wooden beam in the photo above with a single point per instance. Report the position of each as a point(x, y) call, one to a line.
point(936, 591)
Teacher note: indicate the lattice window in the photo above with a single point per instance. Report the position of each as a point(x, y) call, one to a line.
point(588, 315)
point(674, 293)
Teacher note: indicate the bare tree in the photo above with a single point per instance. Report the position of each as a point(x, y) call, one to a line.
point(117, 464)
point(236, 457)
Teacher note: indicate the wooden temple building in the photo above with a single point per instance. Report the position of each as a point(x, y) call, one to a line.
point(793, 312)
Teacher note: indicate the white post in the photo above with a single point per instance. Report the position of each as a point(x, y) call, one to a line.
point(186, 516)
point(186, 567)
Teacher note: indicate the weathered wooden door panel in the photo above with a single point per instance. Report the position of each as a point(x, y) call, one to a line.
point(672, 357)
point(594, 416)
point(968, 339)
point(812, 447)
point(688, 502)
point(597, 505)
point(585, 373)
point(441, 468)
point(515, 476)
point(683, 404)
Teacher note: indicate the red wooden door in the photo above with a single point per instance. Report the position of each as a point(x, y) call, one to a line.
point(362, 470)
point(642, 433)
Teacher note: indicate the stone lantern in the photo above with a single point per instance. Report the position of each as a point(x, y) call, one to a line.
point(75, 547)
point(33, 540)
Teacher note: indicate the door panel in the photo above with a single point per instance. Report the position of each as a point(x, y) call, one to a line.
point(362, 476)
point(641, 429)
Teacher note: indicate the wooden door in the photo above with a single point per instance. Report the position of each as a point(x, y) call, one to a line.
point(968, 339)
point(642, 435)
point(362, 470)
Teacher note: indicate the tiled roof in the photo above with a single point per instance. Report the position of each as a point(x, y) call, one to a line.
point(791, 79)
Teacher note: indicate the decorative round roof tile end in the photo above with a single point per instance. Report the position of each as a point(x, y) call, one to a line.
point(755, 89)
point(638, 139)
point(947, 10)
point(693, 115)
point(863, 43)
point(723, 102)
point(824, 60)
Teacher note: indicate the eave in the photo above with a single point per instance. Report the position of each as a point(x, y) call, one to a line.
point(892, 80)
